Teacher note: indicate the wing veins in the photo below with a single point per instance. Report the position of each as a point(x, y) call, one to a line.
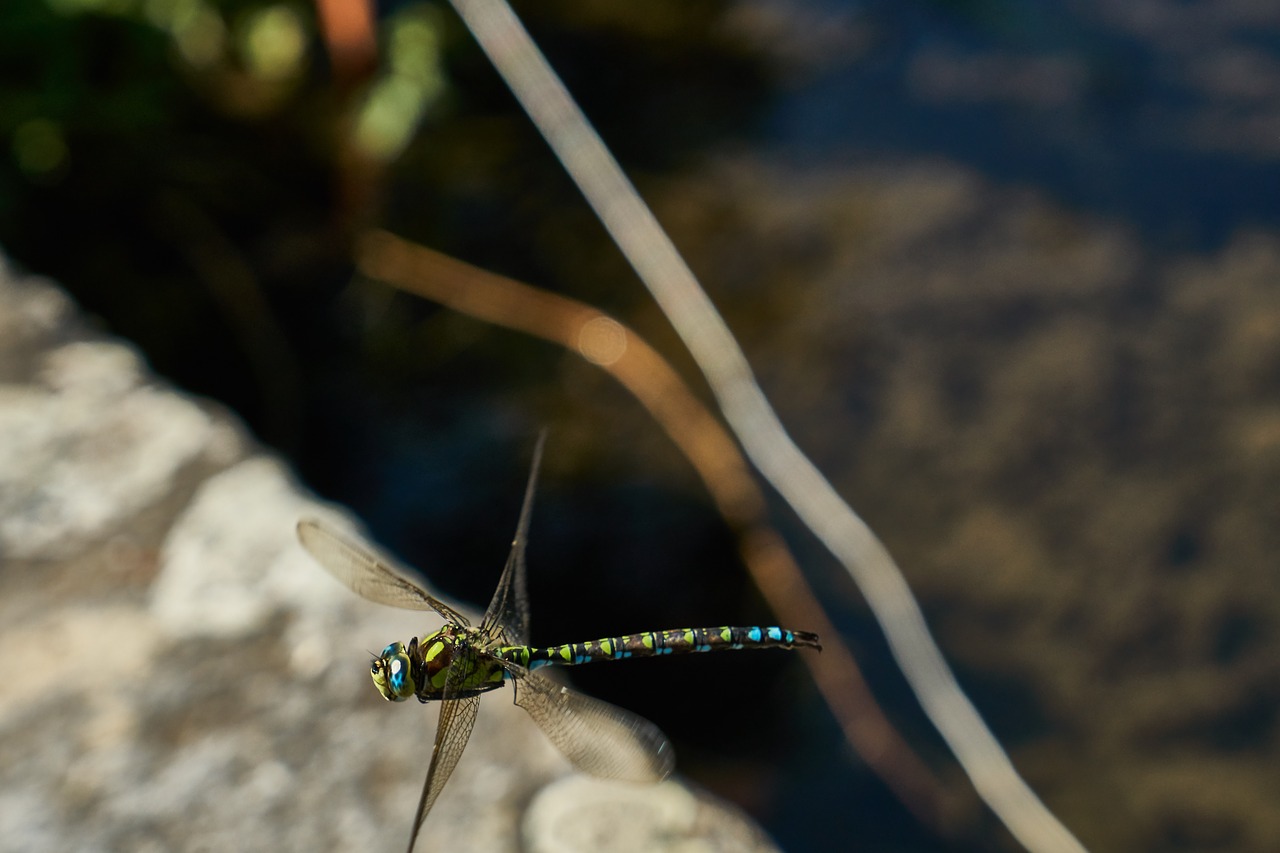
point(457, 718)
point(507, 616)
point(597, 738)
point(366, 573)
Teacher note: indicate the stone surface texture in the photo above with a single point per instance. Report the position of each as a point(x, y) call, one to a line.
point(175, 672)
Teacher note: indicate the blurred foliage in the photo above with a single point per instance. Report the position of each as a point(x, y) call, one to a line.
point(209, 171)
point(180, 188)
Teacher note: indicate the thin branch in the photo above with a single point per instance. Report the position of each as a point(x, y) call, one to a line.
point(651, 253)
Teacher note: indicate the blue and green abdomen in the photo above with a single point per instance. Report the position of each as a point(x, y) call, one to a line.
point(676, 641)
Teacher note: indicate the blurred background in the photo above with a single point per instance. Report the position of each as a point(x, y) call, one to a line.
point(1010, 272)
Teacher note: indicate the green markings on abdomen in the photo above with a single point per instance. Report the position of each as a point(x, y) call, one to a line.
point(676, 641)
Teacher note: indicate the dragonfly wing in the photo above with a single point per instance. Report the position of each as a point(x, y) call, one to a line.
point(457, 717)
point(366, 573)
point(598, 738)
point(507, 617)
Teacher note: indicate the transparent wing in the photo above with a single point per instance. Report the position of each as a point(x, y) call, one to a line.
point(507, 617)
point(366, 573)
point(457, 717)
point(597, 737)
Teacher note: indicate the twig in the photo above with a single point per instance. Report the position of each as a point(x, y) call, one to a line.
point(643, 372)
point(651, 253)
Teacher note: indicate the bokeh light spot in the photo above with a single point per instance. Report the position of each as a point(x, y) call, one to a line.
point(39, 147)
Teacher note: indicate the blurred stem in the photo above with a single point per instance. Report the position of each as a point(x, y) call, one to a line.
point(219, 265)
point(674, 287)
point(714, 455)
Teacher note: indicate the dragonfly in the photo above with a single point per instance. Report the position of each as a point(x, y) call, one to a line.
point(460, 662)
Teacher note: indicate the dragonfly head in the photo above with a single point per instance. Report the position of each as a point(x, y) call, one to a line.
point(392, 672)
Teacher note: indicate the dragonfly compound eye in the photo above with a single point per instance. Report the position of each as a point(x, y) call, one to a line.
point(393, 674)
point(400, 677)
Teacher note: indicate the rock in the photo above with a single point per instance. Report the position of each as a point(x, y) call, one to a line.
point(175, 672)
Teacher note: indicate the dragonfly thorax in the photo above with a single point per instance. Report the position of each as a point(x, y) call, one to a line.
point(449, 660)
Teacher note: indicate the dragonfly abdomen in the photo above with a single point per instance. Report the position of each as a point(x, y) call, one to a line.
point(676, 641)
